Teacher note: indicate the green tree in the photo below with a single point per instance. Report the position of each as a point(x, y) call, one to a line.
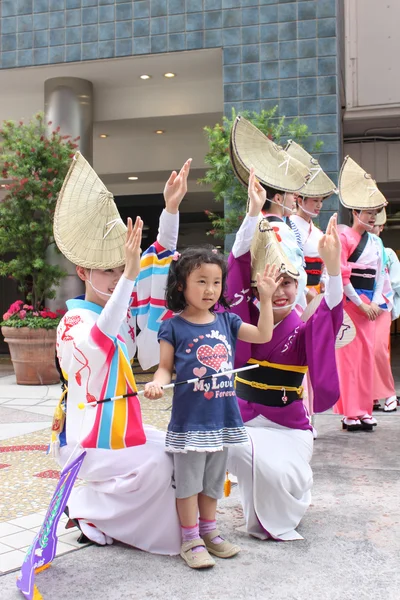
point(224, 184)
point(36, 161)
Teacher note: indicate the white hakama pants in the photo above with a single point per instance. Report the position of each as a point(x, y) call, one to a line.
point(275, 478)
point(128, 494)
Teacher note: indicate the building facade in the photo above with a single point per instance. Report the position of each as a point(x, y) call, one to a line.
point(281, 53)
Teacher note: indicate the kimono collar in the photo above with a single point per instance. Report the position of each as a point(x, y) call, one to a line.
point(82, 303)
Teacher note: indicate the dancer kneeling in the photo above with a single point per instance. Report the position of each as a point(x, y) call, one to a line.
point(128, 493)
point(205, 418)
point(274, 473)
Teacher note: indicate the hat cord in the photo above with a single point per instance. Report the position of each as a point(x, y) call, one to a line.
point(113, 223)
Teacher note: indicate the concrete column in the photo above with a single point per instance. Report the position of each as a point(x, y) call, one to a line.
point(68, 103)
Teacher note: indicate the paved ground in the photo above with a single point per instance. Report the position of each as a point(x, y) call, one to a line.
point(351, 531)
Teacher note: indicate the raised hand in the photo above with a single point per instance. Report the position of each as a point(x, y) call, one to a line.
point(176, 188)
point(329, 247)
point(257, 195)
point(268, 282)
point(132, 248)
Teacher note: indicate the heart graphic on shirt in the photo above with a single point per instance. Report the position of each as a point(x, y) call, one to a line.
point(212, 357)
point(208, 395)
point(199, 372)
point(201, 337)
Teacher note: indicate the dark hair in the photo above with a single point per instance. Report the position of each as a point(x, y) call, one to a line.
point(192, 258)
point(271, 193)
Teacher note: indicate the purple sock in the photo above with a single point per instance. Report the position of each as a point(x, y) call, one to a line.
point(207, 526)
point(191, 533)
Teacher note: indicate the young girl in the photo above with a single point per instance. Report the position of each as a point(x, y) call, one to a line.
point(205, 417)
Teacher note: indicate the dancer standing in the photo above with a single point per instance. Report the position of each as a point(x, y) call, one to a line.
point(281, 176)
point(309, 205)
point(384, 387)
point(363, 277)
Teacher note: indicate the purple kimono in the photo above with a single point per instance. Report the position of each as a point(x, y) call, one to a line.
point(293, 342)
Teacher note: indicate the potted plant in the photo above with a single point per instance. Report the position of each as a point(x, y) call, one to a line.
point(220, 175)
point(36, 161)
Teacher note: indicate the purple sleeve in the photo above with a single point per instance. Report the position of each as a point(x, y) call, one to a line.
point(238, 294)
point(320, 336)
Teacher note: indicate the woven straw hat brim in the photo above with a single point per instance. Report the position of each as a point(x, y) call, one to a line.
point(357, 189)
point(347, 332)
point(381, 217)
point(272, 165)
point(319, 185)
point(265, 248)
point(241, 173)
point(87, 226)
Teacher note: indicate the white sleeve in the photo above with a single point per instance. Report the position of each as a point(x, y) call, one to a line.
point(168, 230)
point(115, 311)
point(333, 290)
point(380, 276)
point(244, 236)
point(352, 294)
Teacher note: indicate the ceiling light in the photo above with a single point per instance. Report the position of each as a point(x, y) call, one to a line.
point(169, 75)
point(159, 131)
point(145, 77)
point(133, 178)
point(104, 135)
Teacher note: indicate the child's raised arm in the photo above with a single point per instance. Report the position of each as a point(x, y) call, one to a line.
point(153, 389)
point(266, 285)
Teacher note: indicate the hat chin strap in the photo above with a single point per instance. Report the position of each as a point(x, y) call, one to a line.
point(284, 307)
point(282, 205)
point(95, 289)
point(311, 214)
point(366, 225)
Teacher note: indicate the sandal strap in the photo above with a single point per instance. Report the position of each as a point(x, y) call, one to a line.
point(213, 534)
point(192, 544)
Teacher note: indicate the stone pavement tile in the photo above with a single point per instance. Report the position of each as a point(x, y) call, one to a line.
point(4, 400)
point(18, 540)
point(7, 529)
point(38, 409)
point(71, 538)
point(23, 391)
point(18, 429)
point(17, 402)
point(11, 560)
point(17, 415)
point(4, 548)
point(29, 521)
point(52, 402)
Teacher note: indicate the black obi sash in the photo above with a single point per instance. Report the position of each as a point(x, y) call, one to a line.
point(357, 277)
point(270, 385)
point(313, 269)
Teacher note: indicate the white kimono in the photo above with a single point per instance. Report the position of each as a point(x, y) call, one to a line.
point(128, 493)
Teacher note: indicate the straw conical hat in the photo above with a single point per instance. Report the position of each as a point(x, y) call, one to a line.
point(87, 226)
point(265, 248)
point(319, 185)
point(347, 331)
point(249, 147)
point(357, 189)
point(381, 217)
